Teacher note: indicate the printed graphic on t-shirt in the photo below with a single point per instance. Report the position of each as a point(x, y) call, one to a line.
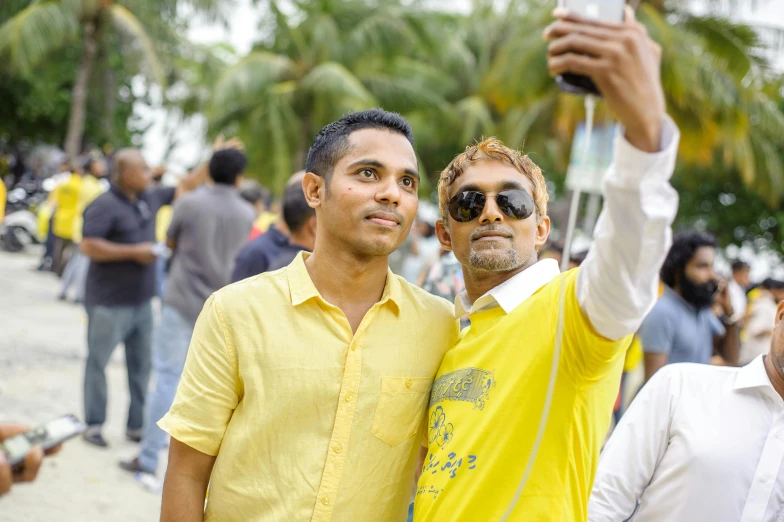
point(472, 385)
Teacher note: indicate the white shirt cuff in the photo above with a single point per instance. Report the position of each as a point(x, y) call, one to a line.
point(633, 165)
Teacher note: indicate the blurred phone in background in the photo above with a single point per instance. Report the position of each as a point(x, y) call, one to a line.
point(604, 10)
point(47, 437)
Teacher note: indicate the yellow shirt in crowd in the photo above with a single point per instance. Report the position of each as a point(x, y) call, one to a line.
point(90, 189)
point(310, 421)
point(3, 199)
point(487, 402)
point(66, 197)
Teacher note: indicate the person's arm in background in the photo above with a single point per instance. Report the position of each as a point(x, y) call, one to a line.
point(656, 336)
point(199, 175)
point(618, 282)
point(631, 456)
point(209, 391)
point(97, 225)
point(726, 339)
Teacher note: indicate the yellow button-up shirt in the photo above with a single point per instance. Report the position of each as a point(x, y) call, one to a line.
point(308, 420)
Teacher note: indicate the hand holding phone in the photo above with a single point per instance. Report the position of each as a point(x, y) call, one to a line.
point(22, 450)
point(622, 61)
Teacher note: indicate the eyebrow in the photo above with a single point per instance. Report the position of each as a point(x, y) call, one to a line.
point(504, 185)
point(378, 164)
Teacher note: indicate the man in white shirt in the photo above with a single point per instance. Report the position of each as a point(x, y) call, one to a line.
point(699, 443)
point(761, 320)
point(738, 286)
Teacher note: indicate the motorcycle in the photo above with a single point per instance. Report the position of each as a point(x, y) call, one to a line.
point(20, 225)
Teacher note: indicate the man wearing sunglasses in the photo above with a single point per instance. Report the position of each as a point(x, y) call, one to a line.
point(490, 394)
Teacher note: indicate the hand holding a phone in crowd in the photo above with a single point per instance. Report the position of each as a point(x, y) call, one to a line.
point(31, 465)
point(722, 297)
point(622, 61)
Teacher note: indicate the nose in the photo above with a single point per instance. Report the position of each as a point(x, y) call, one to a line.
point(491, 213)
point(388, 191)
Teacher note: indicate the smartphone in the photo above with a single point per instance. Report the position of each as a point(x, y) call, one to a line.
point(604, 10)
point(47, 436)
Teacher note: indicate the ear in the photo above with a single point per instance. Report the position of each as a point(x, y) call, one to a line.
point(780, 313)
point(443, 235)
point(313, 187)
point(542, 232)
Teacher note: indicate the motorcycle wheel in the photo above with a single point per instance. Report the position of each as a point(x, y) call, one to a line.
point(16, 239)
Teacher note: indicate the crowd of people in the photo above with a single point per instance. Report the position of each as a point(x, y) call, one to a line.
point(308, 364)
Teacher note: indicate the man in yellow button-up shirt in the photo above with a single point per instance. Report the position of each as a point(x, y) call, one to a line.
point(305, 390)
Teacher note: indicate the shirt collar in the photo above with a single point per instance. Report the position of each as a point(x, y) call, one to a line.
point(302, 288)
point(753, 375)
point(513, 292)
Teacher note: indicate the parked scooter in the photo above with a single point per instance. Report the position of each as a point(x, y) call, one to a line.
point(20, 225)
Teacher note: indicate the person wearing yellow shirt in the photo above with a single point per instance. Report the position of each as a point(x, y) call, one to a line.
point(522, 403)
point(66, 199)
point(94, 184)
point(3, 199)
point(305, 389)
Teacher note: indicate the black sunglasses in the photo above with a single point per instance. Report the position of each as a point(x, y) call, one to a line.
point(467, 206)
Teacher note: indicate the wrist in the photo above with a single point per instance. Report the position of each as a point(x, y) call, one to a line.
point(646, 138)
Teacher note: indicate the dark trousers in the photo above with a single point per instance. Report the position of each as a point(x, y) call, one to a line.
point(62, 253)
point(106, 328)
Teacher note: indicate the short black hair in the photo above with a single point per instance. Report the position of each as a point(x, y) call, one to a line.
point(331, 143)
point(772, 284)
point(253, 192)
point(683, 248)
point(226, 165)
point(738, 266)
point(296, 210)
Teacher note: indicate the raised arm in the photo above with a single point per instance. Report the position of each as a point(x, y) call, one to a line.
point(617, 283)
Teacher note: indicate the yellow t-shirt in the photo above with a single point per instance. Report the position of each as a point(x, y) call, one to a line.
point(309, 421)
point(66, 197)
point(487, 402)
point(162, 221)
point(90, 189)
point(3, 199)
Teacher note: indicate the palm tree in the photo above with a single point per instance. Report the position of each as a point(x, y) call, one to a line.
point(340, 56)
point(44, 26)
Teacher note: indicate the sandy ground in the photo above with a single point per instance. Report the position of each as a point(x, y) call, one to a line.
point(42, 351)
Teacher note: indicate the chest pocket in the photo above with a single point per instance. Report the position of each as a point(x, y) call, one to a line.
point(401, 408)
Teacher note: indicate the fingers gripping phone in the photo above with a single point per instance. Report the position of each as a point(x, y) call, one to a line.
point(47, 437)
point(603, 10)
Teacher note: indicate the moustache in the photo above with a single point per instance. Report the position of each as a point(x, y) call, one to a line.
point(492, 228)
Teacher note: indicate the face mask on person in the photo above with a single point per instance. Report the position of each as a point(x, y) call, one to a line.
point(698, 294)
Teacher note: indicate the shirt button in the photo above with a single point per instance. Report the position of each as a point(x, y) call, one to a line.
point(349, 397)
point(337, 448)
point(780, 435)
point(409, 382)
point(765, 479)
point(353, 347)
point(325, 500)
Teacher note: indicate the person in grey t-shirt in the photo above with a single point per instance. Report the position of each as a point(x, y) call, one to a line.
point(682, 327)
point(208, 229)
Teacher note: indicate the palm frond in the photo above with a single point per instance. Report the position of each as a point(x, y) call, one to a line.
point(130, 26)
point(35, 32)
point(241, 86)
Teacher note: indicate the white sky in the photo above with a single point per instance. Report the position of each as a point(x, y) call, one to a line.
point(242, 31)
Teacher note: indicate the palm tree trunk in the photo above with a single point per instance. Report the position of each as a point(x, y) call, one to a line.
point(73, 140)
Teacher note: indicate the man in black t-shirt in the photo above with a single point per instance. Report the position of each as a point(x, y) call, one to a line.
point(119, 239)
